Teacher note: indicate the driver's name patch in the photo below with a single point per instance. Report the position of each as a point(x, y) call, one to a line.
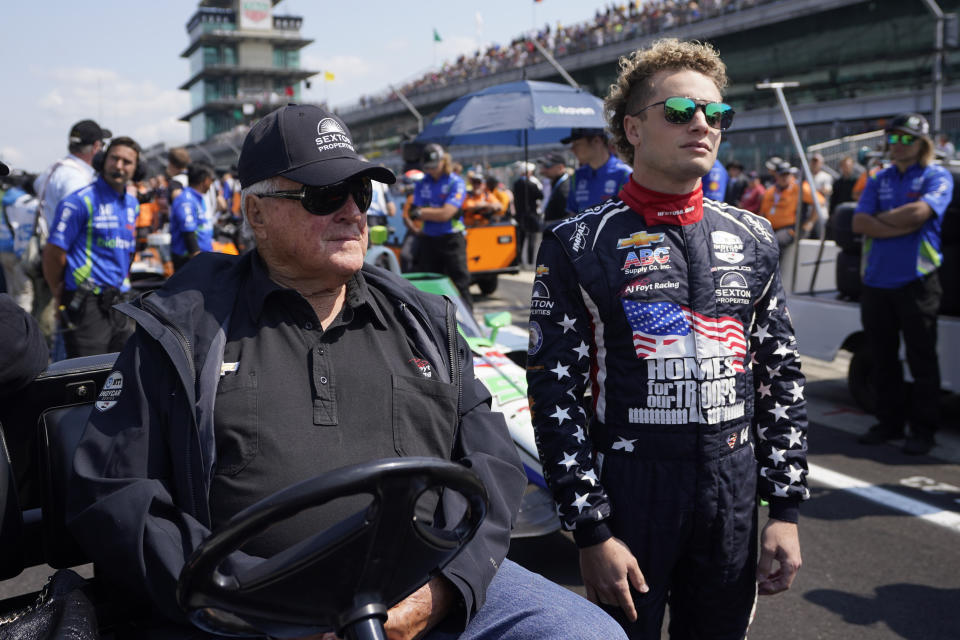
point(111, 392)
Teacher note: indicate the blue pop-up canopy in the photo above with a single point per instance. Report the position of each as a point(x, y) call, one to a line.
point(504, 114)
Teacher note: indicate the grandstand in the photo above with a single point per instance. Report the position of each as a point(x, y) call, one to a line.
point(857, 62)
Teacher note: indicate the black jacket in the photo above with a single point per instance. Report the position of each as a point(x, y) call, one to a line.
point(24, 352)
point(143, 469)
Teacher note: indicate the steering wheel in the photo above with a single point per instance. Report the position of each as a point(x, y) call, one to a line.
point(341, 579)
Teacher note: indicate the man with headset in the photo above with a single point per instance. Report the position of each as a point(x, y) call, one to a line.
point(87, 257)
point(62, 178)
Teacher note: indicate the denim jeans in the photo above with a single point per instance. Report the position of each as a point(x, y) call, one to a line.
point(522, 605)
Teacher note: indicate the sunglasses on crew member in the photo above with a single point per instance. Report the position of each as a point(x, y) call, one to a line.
point(322, 201)
point(678, 110)
point(902, 138)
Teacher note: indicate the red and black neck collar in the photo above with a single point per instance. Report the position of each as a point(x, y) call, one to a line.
point(664, 208)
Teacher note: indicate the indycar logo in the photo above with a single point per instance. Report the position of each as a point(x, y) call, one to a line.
point(110, 393)
point(639, 239)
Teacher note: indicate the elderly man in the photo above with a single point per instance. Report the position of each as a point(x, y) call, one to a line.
point(291, 360)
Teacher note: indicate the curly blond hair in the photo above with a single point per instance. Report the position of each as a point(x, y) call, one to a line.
point(634, 85)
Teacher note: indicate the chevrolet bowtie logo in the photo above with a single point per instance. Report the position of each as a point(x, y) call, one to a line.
point(542, 270)
point(639, 239)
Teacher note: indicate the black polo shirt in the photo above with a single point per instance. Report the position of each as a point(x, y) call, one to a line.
point(295, 400)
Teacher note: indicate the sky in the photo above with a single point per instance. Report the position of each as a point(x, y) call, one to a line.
point(118, 61)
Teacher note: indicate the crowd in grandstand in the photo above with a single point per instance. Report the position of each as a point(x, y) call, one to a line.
point(619, 21)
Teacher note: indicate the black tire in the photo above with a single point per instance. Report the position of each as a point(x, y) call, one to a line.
point(487, 284)
point(842, 220)
point(860, 380)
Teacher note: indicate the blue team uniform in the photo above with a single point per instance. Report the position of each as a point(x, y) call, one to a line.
point(189, 213)
point(448, 189)
point(890, 263)
point(96, 226)
point(715, 182)
point(592, 186)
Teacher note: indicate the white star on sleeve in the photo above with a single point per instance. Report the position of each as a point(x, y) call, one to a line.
point(793, 438)
point(763, 472)
point(782, 350)
point(571, 393)
point(776, 455)
point(797, 391)
point(561, 414)
point(569, 460)
point(773, 372)
point(583, 351)
point(579, 435)
point(623, 443)
point(567, 323)
point(580, 502)
point(561, 371)
point(589, 476)
point(761, 333)
point(773, 304)
point(780, 490)
point(763, 390)
point(753, 358)
point(779, 412)
point(762, 433)
point(795, 474)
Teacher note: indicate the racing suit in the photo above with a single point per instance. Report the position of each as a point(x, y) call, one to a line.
point(669, 310)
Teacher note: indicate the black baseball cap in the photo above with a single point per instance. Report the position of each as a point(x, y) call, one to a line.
point(306, 144)
point(785, 167)
point(552, 159)
point(912, 123)
point(583, 132)
point(431, 156)
point(88, 132)
point(4, 170)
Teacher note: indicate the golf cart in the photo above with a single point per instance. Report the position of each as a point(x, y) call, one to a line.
point(368, 562)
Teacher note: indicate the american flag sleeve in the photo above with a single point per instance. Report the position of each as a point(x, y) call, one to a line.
point(780, 413)
point(559, 361)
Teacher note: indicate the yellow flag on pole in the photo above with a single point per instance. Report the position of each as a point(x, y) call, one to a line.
point(328, 75)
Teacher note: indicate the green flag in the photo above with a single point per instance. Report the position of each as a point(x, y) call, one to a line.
point(436, 36)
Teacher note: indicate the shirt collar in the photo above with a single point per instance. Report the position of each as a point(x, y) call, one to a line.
point(664, 208)
point(106, 193)
point(260, 287)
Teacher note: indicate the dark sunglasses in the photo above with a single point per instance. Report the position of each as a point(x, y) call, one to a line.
point(677, 110)
point(902, 138)
point(322, 201)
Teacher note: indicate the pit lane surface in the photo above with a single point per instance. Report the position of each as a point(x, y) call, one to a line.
point(880, 535)
point(871, 570)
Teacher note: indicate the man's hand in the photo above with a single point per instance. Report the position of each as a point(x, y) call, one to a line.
point(419, 612)
point(608, 570)
point(779, 541)
point(416, 614)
